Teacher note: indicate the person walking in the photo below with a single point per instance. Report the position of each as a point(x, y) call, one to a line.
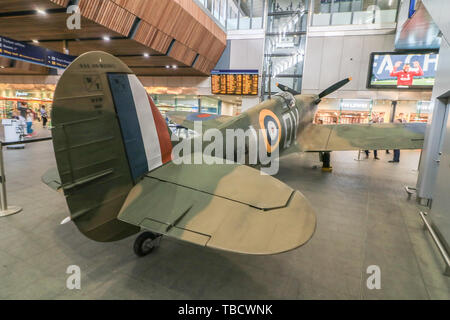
point(44, 116)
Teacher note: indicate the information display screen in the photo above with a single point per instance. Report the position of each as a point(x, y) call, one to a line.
point(402, 70)
point(235, 82)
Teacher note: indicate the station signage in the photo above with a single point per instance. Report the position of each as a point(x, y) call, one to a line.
point(234, 82)
point(356, 104)
point(22, 94)
point(23, 51)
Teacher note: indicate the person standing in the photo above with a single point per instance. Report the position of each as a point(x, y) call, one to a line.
point(44, 116)
point(29, 119)
point(396, 156)
point(396, 151)
point(375, 152)
point(22, 107)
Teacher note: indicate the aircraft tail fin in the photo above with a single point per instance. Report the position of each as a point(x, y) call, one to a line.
point(107, 135)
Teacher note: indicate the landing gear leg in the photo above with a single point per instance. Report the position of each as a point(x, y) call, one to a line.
point(326, 159)
point(146, 242)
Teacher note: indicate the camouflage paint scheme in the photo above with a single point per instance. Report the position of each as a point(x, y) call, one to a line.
point(229, 207)
point(303, 135)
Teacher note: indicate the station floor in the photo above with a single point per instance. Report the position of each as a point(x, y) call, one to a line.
point(364, 218)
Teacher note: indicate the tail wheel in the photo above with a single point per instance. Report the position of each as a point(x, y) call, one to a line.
point(145, 243)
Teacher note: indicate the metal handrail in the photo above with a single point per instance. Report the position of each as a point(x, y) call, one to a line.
point(10, 143)
point(438, 243)
point(6, 210)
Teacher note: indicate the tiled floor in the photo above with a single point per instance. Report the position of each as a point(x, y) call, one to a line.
point(364, 218)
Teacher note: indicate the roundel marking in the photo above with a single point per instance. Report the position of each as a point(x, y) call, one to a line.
point(271, 126)
point(197, 116)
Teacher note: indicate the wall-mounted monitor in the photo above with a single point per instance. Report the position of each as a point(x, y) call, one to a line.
point(235, 82)
point(402, 70)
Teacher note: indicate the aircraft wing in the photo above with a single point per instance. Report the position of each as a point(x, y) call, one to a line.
point(227, 207)
point(340, 137)
point(51, 178)
point(186, 119)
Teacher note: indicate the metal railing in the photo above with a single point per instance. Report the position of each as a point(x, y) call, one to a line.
point(6, 210)
point(438, 243)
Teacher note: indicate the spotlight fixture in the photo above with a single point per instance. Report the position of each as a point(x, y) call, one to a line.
point(41, 11)
point(146, 55)
point(174, 66)
point(167, 67)
point(106, 38)
point(35, 41)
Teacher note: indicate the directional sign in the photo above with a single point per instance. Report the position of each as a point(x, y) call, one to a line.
point(19, 50)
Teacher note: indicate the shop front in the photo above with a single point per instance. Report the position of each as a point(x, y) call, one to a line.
point(413, 111)
point(349, 111)
point(11, 99)
point(196, 103)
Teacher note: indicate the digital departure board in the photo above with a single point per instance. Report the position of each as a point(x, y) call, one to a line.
point(234, 82)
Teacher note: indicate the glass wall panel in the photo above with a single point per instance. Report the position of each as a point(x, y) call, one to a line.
point(257, 9)
point(210, 105)
point(285, 44)
point(347, 12)
point(236, 14)
point(233, 14)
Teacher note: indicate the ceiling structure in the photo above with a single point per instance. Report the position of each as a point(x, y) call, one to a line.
point(153, 37)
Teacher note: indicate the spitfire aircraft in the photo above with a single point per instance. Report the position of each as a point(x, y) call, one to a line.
point(117, 169)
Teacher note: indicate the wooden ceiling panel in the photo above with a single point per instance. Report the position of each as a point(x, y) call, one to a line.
point(152, 37)
point(152, 61)
point(26, 5)
point(8, 66)
point(182, 53)
point(5, 62)
point(203, 64)
point(49, 27)
point(52, 45)
point(108, 14)
point(114, 46)
point(167, 72)
point(182, 20)
point(177, 29)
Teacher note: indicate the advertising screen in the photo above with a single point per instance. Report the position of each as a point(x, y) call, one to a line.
point(234, 82)
point(402, 70)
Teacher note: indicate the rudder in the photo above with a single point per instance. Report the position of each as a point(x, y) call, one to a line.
point(96, 142)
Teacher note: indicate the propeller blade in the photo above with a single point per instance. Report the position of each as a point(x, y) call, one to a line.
point(334, 87)
point(285, 88)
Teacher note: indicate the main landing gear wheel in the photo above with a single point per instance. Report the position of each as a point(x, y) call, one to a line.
point(146, 242)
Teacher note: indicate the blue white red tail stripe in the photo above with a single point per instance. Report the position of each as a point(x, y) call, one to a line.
point(144, 131)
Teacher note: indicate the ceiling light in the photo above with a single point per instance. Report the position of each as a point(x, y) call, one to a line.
point(174, 66)
point(3, 67)
point(41, 11)
point(167, 67)
point(35, 41)
point(106, 38)
point(146, 55)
